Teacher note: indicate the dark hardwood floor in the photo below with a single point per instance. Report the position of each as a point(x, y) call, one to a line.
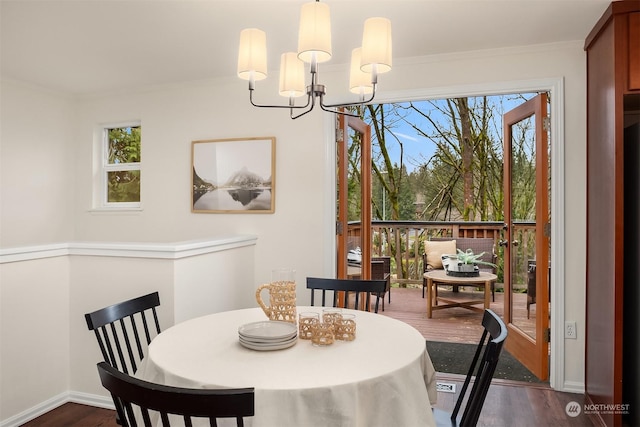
point(75, 415)
point(508, 404)
point(511, 403)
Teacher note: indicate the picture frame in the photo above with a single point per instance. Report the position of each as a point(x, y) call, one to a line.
point(235, 175)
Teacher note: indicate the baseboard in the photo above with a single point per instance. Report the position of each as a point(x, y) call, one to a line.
point(573, 387)
point(36, 411)
point(54, 402)
point(91, 400)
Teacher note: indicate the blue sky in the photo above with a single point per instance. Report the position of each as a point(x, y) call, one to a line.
point(418, 149)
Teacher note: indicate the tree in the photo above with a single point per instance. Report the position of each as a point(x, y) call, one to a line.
point(466, 167)
point(462, 179)
point(123, 149)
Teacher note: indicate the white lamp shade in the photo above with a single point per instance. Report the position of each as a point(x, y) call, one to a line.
point(314, 36)
point(252, 55)
point(359, 81)
point(291, 75)
point(376, 45)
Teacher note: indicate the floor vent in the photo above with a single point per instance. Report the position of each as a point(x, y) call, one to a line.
point(446, 387)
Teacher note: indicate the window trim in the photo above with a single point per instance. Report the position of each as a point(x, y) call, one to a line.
point(103, 167)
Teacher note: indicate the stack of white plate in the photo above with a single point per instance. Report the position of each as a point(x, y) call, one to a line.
point(268, 335)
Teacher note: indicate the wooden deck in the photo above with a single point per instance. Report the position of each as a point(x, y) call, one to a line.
point(453, 324)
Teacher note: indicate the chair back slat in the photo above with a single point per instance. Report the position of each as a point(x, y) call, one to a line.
point(133, 393)
point(470, 373)
point(109, 341)
point(145, 326)
point(119, 341)
point(490, 347)
point(119, 330)
point(163, 416)
point(136, 334)
point(369, 287)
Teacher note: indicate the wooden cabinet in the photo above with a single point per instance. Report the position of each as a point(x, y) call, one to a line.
point(634, 51)
point(613, 91)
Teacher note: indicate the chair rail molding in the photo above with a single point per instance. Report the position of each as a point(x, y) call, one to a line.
point(157, 250)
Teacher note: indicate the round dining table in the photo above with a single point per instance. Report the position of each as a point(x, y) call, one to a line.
point(382, 378)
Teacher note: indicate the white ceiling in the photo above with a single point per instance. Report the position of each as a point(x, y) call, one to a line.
point(88, 46)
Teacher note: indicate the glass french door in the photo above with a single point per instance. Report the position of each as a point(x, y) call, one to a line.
point(353, 148)
point(526, 234)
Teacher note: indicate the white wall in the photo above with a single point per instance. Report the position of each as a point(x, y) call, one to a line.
point(34, 333)
point(36, 166)
point(100, 281)
point(174, 117)
point(36, 202)
point(295, 235)
point(204, 284)
point(48, 355)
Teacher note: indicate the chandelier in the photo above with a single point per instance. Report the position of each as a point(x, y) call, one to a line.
point(314, 47)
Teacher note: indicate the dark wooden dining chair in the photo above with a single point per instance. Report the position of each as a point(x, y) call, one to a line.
point(482, 368)
point(124, 330)
point(373, 288)
point(118, 329)
point(184, 403)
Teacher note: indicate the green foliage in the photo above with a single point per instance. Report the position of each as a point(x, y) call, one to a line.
point(123, 186)
point(461, 181)
point(468, 257)
point(123, 145)
point(523, 176)
point(354, 196)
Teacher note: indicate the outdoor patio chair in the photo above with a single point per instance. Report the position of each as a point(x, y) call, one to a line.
point(482, 368)
point(156, 400)
point(371, 287)
point(531, 285)
point(477, 245)
point(381, 269)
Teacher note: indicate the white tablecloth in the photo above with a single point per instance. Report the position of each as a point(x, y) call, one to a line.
point(383, 378)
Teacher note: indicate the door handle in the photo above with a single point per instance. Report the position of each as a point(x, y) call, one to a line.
point(503, 243)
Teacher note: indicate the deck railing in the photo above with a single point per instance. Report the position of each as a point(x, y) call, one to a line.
point(403, 241)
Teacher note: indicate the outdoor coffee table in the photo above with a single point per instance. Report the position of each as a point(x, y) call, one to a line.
point(440, 276)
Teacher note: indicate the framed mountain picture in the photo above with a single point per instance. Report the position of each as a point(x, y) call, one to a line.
point(233, 175)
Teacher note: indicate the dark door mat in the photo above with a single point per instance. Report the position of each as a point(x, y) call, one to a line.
point(455, 358)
